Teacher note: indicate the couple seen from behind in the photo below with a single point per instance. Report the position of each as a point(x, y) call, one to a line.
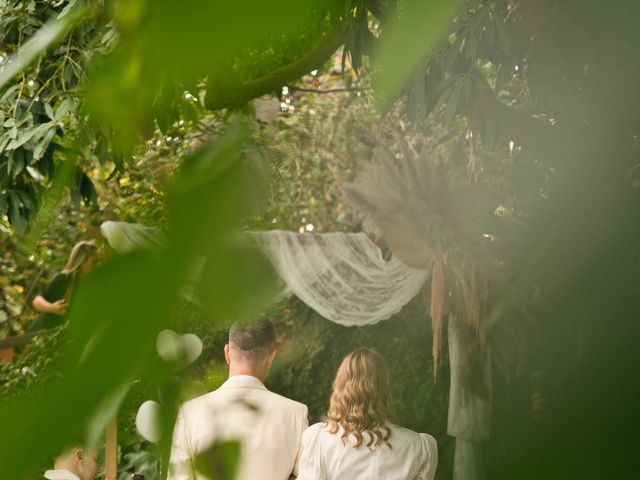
point(357, 441)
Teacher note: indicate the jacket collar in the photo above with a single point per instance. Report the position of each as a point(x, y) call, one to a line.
point(243, 381)
point(60, 475)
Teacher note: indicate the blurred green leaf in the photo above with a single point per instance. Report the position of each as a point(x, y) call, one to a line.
point(220, 461)
point(240, 50)
point(406, 42)
point(112, 325)
point(237, 280)
point(16, 213)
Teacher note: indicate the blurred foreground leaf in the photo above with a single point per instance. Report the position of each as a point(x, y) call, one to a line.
point(118, 309)
point(220, 462)
point(237, 280)
point(112, 325)
point(239, 50)
point(406, 41)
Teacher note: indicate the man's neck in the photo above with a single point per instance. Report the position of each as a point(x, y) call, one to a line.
point(243, 370)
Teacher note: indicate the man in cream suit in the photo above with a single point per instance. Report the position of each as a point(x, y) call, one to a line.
point(268, 426)
point(76, 463)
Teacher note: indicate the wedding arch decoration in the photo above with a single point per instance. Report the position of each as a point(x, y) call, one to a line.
point(434, 225)
point(347, 279)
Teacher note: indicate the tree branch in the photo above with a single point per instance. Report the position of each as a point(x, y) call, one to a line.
point(323, 90)
point(243, 92)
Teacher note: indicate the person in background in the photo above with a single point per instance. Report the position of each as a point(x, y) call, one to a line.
point(54, 301)
point(358, 440)
point(76, 463)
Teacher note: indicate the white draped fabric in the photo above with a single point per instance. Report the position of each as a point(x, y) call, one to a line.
point(346, 279)
point(342, 276)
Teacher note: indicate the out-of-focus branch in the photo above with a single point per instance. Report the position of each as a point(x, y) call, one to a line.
point(323, 90)
point(243, 92)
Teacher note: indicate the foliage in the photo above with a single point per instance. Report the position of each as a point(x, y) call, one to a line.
point(134, 195)
point(73, 105)
point(35, 369)
point(314, 145)
point(537, 99)
point(549, 81)
point(39, 111)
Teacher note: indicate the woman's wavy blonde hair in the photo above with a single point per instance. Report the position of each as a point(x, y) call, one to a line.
point(81, 252)
point(361, 399)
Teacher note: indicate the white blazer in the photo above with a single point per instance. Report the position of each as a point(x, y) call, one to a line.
point(268, 426)
point(412, 456)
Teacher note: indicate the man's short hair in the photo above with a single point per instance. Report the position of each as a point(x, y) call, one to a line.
point(255, 339)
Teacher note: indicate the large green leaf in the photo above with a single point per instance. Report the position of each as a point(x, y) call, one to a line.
point(113, 319)
point(118, 310)
point(406, 41)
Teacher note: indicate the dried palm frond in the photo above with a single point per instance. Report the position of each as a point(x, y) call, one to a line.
point(430, 220)
point(437, 308)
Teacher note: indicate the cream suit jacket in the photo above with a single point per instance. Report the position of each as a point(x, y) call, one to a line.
point(268, 426)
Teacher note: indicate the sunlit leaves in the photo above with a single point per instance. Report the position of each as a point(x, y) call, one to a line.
point(44, 48)
point(47, 36)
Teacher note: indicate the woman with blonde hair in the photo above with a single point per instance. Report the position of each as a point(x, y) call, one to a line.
point(54, 301)
point(358, 440)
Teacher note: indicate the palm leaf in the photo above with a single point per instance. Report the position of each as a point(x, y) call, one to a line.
point(430, 220)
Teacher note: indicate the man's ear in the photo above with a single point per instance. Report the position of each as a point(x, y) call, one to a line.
point(227, 354)
point(78, 454)
point(272, 355)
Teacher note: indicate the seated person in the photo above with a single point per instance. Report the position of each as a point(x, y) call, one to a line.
point(75, 463)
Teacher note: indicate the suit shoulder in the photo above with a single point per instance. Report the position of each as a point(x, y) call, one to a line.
point(429, 441)
point(428, 438)
point(316, 429)
point(422, 442)
point(198, 402)
point(288, 403)
point(411, 436)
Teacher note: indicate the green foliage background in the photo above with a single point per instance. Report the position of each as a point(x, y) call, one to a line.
point(536, 99)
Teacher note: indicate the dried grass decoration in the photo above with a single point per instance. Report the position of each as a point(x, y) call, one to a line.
point(432, 219)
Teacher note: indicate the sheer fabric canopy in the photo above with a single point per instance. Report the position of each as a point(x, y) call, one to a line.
point(342, 276)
